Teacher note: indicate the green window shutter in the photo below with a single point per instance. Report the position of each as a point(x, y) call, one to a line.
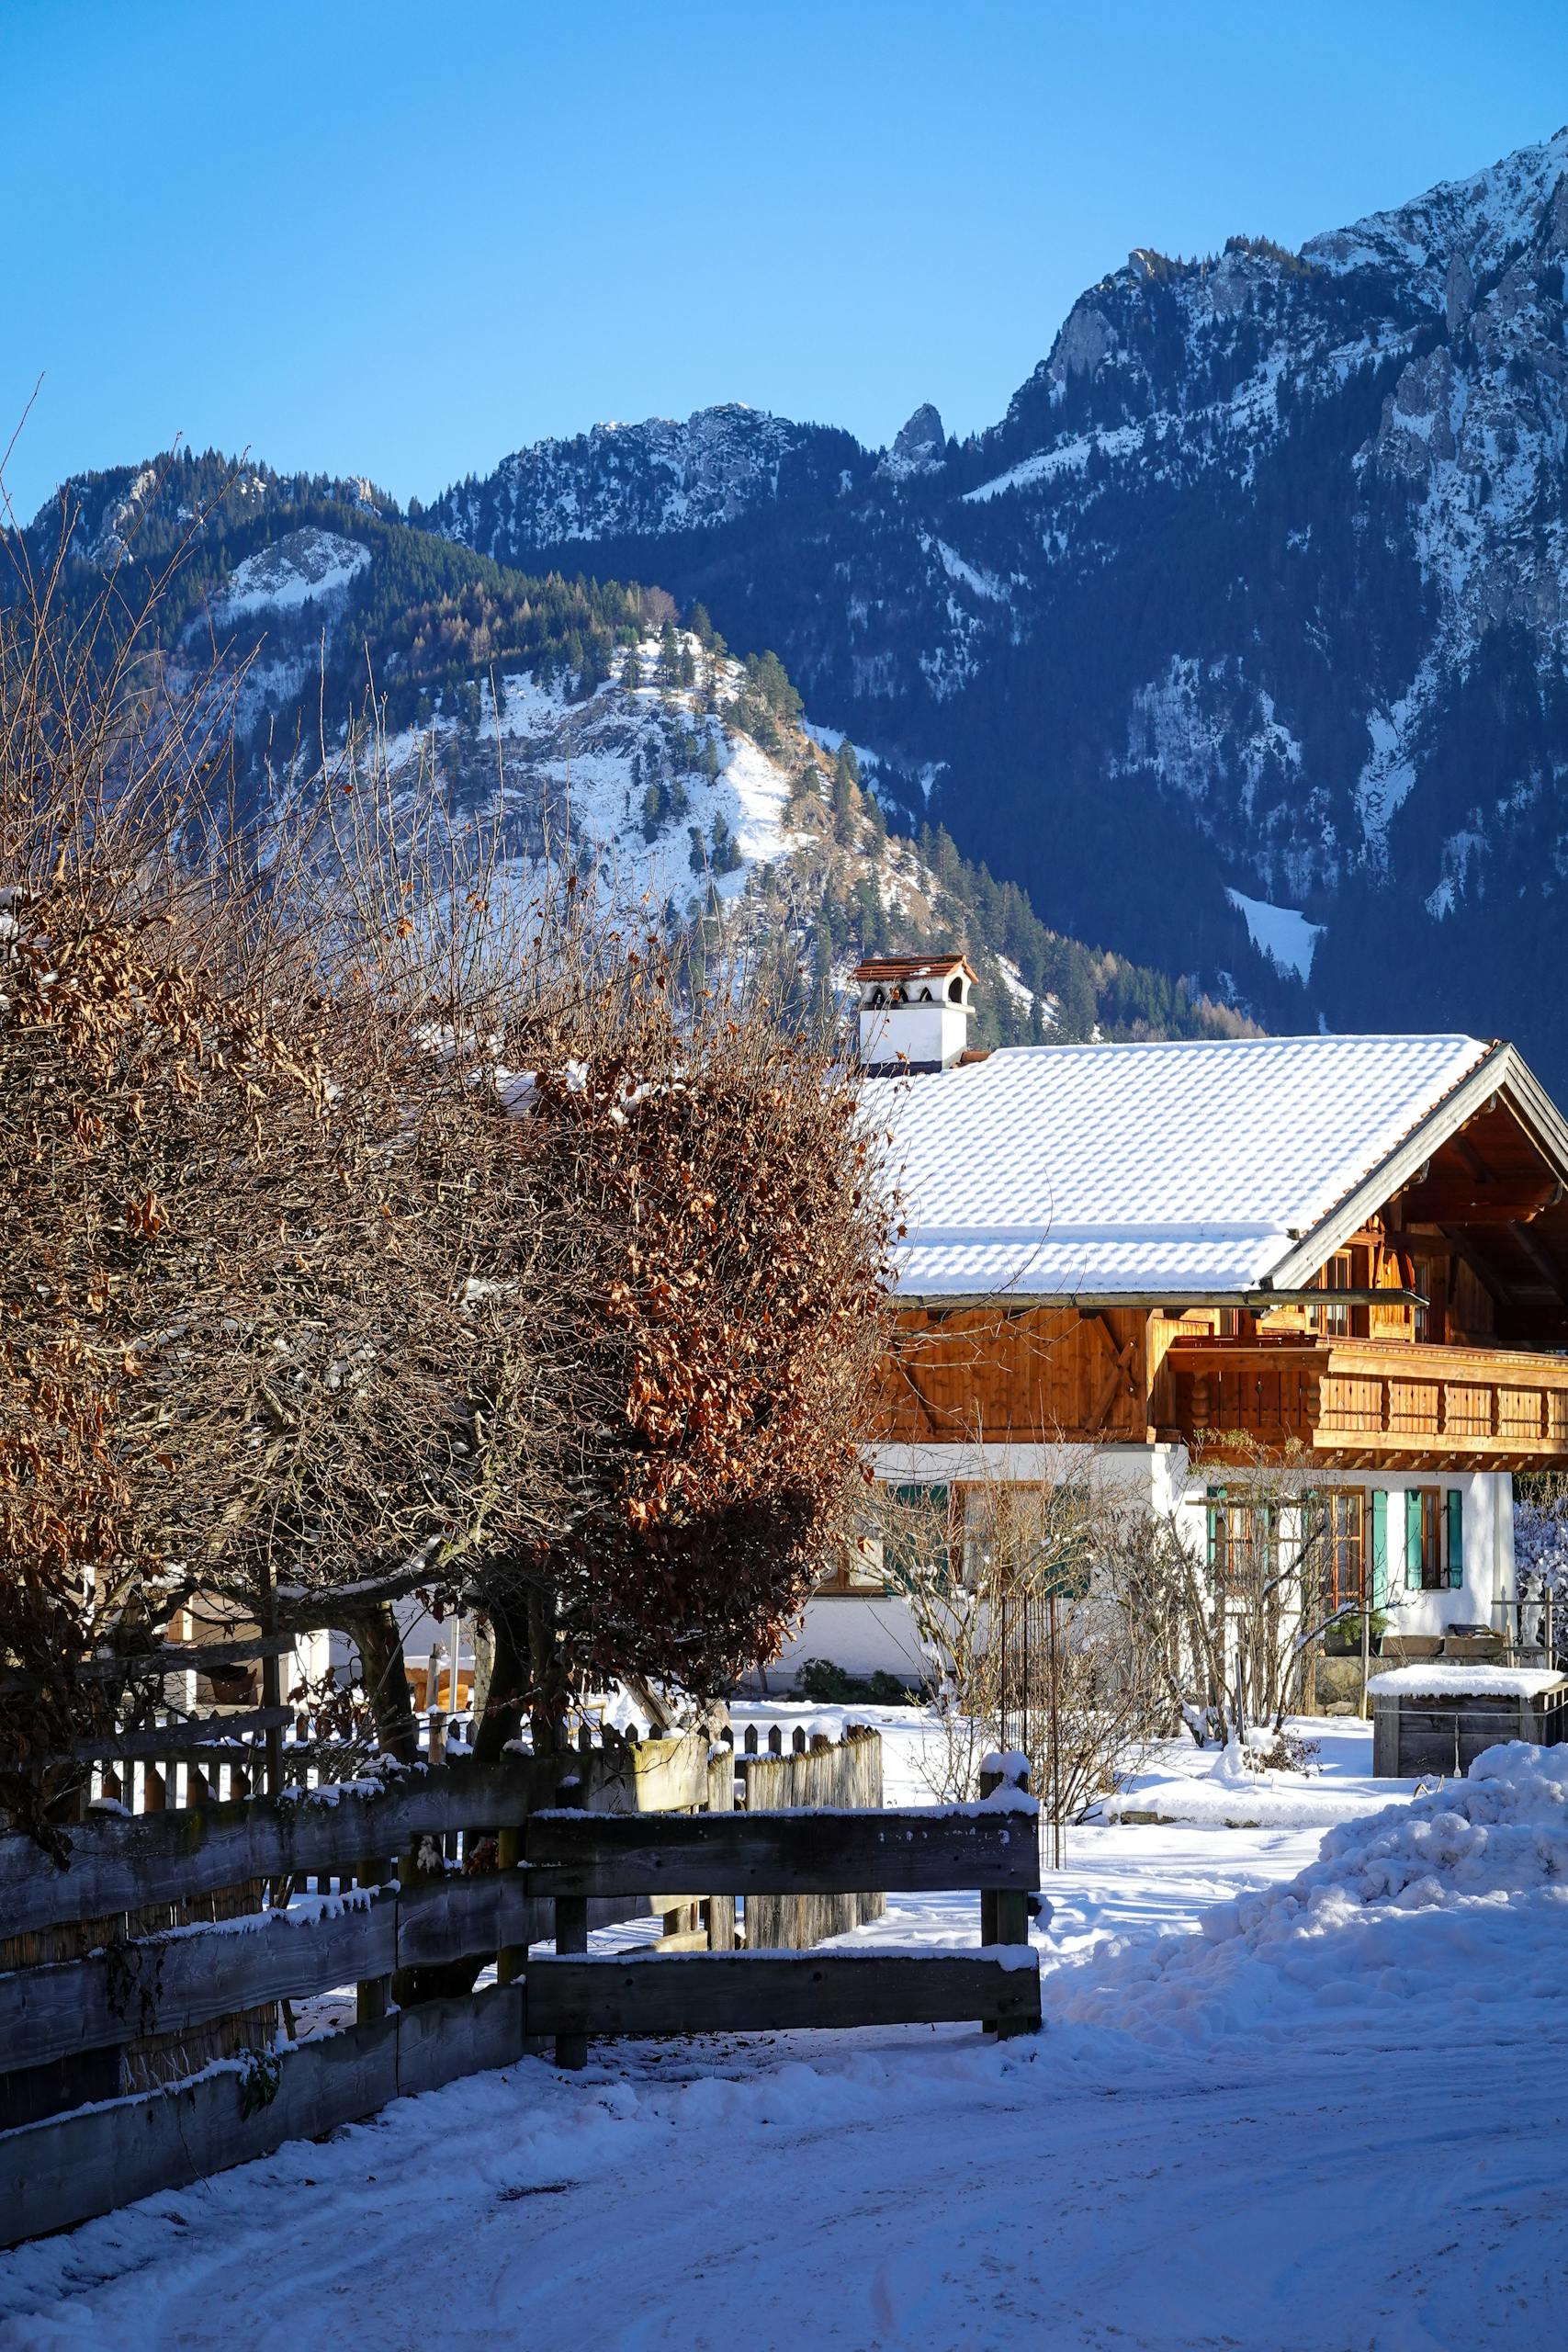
point(1213, 1535)
point(1380, 1547)
point(1412, 1540)
point(1454, 1501)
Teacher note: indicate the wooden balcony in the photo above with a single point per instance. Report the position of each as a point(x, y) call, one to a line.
point(1369, 1403)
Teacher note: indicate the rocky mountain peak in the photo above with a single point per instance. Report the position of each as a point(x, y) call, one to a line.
point(919, 446)
point(647, 480)
point(1479, 222)
point(1264, 568)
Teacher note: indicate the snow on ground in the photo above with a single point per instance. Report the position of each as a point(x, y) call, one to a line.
point(568, 768)
point(1284, 2101)
point(1066, 456)
point(1283, 933)
point(1181, 1783)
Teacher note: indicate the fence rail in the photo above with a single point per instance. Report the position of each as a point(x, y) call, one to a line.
point(774, 1993)
point(64, 2170)
point(551, 1860)
point(919, 1851)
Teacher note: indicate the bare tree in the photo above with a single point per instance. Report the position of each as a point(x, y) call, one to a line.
point(1233, 1618)
point(1033, 1646)
point(371, 1234)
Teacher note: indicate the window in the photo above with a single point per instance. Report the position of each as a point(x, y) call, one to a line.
point(1243, 1540)
point(1345, 1545)
point(914, 1523)
point(1335, 1318)
point(859, 1571)
point(1434, 1539)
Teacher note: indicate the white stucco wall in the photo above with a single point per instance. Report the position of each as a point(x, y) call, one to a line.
point(865, 1636)
point(868, 1637)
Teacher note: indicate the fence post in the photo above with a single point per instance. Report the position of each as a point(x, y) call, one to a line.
point(720, 1908)
point(571, 1935)
point(1004, 1911)
point(512, 1958)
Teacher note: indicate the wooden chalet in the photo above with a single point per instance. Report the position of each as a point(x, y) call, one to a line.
point(1350, 1249)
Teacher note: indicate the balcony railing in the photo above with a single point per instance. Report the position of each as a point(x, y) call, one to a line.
point(1368, 1399)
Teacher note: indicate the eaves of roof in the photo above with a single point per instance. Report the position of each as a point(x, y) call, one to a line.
point(1500, 1071)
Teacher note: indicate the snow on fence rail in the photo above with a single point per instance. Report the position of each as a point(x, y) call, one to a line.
point(553, 1856)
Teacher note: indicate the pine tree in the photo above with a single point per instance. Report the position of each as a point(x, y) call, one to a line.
point(631, 669)
point(841, 797)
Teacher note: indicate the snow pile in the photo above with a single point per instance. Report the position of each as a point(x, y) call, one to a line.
point(1469, 1884)
point(1233, 1790)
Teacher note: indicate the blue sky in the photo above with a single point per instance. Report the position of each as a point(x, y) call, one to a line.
point(401, 240)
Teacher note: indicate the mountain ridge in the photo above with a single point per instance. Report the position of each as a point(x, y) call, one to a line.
point(1238, 643)
point(574, 721)
point(1262, 568)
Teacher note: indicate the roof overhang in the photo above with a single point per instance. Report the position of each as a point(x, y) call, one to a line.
point(1175, 1302)
point(1500, 1073)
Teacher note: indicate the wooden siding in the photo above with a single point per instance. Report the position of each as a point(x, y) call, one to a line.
point(1024, 1376)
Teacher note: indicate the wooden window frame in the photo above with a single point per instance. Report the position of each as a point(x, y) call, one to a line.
point(1231, 1529)
point(845, 1582)
point(1346, 1530)
point(1341, 1272)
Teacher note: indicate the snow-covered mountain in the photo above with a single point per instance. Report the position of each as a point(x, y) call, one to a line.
point(658, 476)
point(576, 718)
point(1240, 640)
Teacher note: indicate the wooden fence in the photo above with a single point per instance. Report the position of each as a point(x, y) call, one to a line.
point(812, 1770)
point(552, 1859)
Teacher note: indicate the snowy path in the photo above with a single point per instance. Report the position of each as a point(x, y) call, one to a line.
point(1336, 2153)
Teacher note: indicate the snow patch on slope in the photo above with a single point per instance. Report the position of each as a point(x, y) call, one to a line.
point(575, 777)
point(1283, 933)
point(310, 566)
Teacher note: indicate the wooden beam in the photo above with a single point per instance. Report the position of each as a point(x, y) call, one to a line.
point(69, 2167)
point(764, 1993)
point(171, 1657)
point(1485, 1273)
point(1506, 1202)
point(1465, 1152)
point(914, 1851)
point(171, 1983)
point(199, 1737)
point(1121, 1369)
point(1544, 1264)
point(121, 1865)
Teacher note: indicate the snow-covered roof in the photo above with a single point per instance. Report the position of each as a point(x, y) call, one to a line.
point(1459, 1678)
point(1187, 1170)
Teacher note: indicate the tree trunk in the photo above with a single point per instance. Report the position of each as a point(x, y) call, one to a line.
point(381, 1645)
point(508, 1676)
point(502, 1716)
point(484, 1664)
